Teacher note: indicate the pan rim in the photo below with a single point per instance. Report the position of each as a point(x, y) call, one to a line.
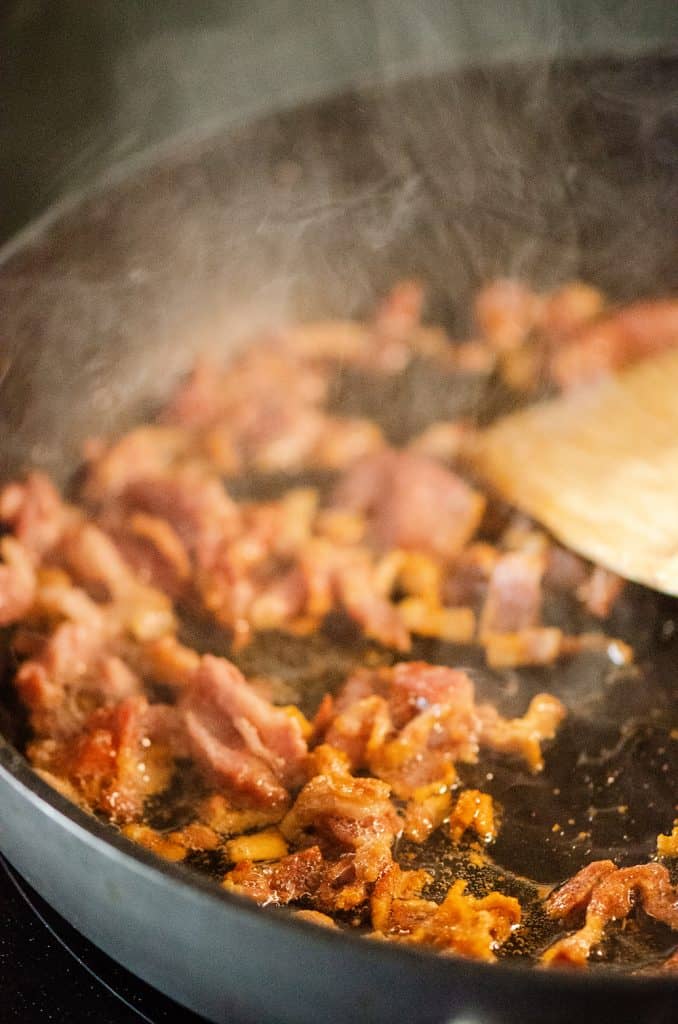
point(109, 841)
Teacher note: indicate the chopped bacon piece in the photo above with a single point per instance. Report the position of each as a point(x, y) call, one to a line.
point(412, 502)
point(285, 881)
point(163, 846)
point(93, 557)
point(569, 308)
point(475, 811)
point(315, 917)
point(507, 312)
point(149, 451)
point(514, 596)
point(250, 745)
point(35, 512)
point(617, 340)
point(17, 581)
point(608, 893)
point(522, 736)
point(540, 646)
point(424, 814)
point(461, 924)
point(112, 762)
point(667, 845)
point(72, 674)
point(600, 591)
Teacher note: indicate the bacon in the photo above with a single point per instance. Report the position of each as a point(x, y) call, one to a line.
point(522, 736)
point(35, 512)
point(569, 308)
point(146, 452)
point(285, 881)
point(514, 596)
point(617, 340)
point(600, 591)
point(411, 723)
point(93, 557)
point(17, 581)
point(112, 762)
point(73, 673)
point(461, 924)
point(251, 746)
point(507, 312)
point(411, 502)
point(608, 893)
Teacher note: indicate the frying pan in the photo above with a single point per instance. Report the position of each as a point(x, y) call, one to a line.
point(549, 173)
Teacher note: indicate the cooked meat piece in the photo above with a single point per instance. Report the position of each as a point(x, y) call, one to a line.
point(522, 736)
point(514, 596)
point(143, 453)
point(196, 506)
point(94, 559)
point(569, 308)
point(539, 646)
point(667, 845)
point(72, 674)
point(600, 591)
point(285, 881)
point(411, 502)
point(35, 512)
point(470, 575)
point(473, 811)
point(507, 312)
point(112, 762)
point(253, 747)
point(425, 813)
point(616, 340)
point(17, 581)
point(609, 893)
point(461, 924)
point(411, 723)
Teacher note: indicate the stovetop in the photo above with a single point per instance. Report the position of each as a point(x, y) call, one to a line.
point(49, 972)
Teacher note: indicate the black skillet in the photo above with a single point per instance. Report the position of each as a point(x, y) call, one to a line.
point(551, 174)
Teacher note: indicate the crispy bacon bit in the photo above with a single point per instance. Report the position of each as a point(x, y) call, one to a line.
point(411, 502)
point(196, 837)
point(608, 894)
point(17, 581)
point(514, 597)
point(144, 453)
point(285, 881)
point(667, 845)
point(394, 888)
point(522, 736)
point(72, 674)
point(112, 763)
point(315, 917)
point(610, 343)
point(35, 512)
point(570, 308)
point(163, 846)
point(475, 811)
point(507, 312)
point(540, 646)
point(425, 813)
point(600, 591)
point(461, 924)
point(251, 746)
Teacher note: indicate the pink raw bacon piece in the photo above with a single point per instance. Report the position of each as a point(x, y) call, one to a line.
point(251, 745)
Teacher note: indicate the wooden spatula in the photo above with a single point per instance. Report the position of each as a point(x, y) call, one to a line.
point(599, 468)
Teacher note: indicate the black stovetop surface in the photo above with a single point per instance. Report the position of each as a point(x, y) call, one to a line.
point(49, 972)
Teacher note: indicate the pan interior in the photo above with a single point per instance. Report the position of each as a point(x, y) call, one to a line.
point(315, 212)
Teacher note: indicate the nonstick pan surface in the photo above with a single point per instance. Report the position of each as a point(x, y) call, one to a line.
point(550, 173)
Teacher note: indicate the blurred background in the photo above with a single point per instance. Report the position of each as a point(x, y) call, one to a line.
point(85, 85)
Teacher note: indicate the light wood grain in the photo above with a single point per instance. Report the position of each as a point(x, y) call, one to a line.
point(599, 468)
